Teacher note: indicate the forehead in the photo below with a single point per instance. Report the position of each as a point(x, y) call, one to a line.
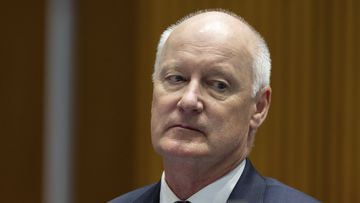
point(215, 26)
point(214, 33)
point(204, 49)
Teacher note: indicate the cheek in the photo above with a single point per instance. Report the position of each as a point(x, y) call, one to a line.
point(232, 125)
point(156, 102)
point(155, 114)
point(163, 102)
point(161, 108)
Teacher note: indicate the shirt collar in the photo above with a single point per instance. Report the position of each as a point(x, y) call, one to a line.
point(216, 192)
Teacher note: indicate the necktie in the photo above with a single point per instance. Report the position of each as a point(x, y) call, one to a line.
point(182, 202)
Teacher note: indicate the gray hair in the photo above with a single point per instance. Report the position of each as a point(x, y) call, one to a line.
point(261, 60)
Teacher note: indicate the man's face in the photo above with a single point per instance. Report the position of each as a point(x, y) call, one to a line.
point(202, 104)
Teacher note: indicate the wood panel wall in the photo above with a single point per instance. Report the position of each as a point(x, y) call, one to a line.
point(21, 100)
point(104, 102)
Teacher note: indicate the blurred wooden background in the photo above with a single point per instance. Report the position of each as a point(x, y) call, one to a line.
point(309, 141)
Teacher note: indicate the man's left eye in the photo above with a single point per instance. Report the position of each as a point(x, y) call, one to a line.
point(219, 86)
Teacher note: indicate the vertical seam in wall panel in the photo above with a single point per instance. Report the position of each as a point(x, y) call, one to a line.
point(58, 102)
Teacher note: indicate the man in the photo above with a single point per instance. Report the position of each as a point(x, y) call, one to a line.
point(211, 93)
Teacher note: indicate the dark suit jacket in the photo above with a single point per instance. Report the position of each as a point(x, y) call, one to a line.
point(250, 188)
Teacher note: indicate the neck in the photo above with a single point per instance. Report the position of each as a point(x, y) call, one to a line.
point(185, 177)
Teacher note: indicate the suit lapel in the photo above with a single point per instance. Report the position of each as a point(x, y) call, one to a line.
point(250, 187)
point(152, 195)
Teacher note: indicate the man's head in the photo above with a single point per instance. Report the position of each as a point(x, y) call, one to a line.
point(261, 59)
point(211, 89)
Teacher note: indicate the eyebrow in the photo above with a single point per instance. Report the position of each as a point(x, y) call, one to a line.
point(221, 71)
point(168, 66)
point(218, 70)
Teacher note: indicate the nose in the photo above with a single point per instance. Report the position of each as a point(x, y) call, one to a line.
point(190, 101)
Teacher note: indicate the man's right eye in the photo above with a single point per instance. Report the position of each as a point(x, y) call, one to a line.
point(175, 79)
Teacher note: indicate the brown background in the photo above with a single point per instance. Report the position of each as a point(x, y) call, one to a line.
point(309, 141)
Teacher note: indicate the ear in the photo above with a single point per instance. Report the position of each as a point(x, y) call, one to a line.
point(262, 104)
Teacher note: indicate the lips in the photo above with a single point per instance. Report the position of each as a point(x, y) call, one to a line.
point(188, 127)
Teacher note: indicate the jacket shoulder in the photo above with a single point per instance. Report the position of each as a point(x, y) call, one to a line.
point(132, 195)
point(280, 193)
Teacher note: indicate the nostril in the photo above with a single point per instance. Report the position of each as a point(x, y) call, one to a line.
point(190, 106)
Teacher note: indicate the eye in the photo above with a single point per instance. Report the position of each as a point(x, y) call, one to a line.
point(219, 86)
point(175, 79)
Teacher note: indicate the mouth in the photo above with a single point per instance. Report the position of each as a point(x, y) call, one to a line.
point(187, 127)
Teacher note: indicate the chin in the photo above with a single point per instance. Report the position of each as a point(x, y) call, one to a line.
point(182, 149)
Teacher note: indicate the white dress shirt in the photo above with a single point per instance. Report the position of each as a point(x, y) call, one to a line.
point(216, 192)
